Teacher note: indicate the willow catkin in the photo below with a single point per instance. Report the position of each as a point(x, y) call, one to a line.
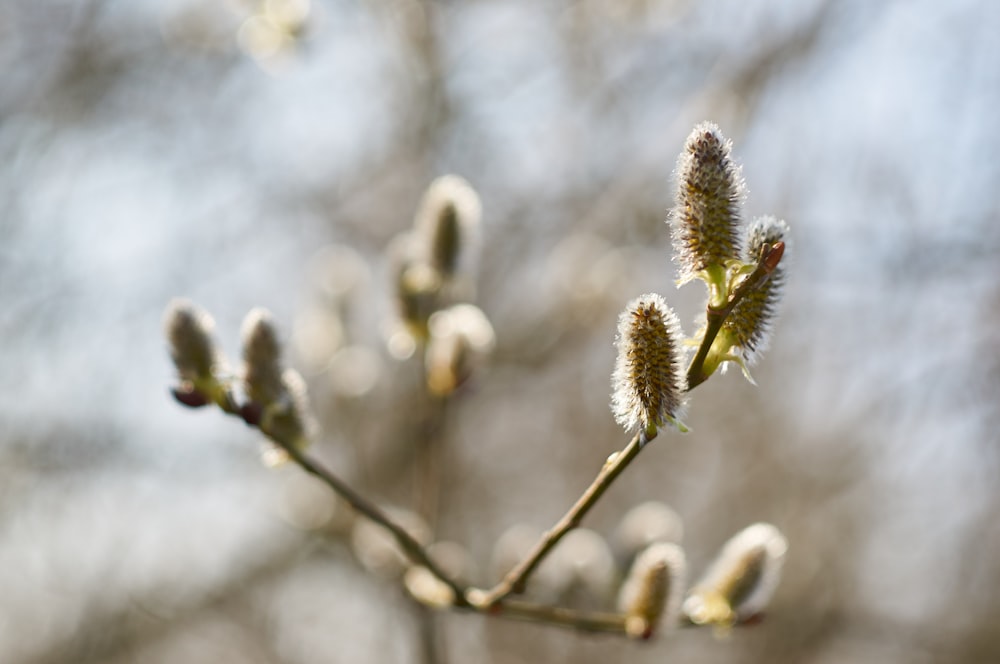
point(262, 369)
point(748, 327)
point(740, 582)
point(649, 380)
point(653, 590)
point(706, 214)
point(188, 329)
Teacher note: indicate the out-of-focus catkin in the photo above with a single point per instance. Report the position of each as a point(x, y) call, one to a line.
point(448, 224)
point(189, 329)
point(261, 357)
point(653, 590)
point(740, 582)
point(460, 339)
point(278, 396)
point(198, 360)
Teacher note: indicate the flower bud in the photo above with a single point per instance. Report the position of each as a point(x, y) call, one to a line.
point(288, 419)
point(653, 590)
point(740, 582)
point(460, 338)
point(748, 327)
point(188, 329)
point(705, 217)
point(418, 286)
point(279, 401)
point(261, 357)
point(448, 223)
point(428, 589)
point(649, 381)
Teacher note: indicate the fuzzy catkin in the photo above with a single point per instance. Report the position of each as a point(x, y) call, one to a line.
point(262, 368)
point(740, 582)
point(653, 590)
point(750, 323)
point(448, 224)
point(188, 329)
point(710, 190)
point(648, 380)
point(292, 421)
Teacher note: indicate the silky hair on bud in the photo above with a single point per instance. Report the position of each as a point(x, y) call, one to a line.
point(262, 370)
point(291, 418)
point(427, 589)
point(649, 381)
point(448, 224)
point(748, 327)
point(706, 213)
point(188, 329)
point(461, 336)
point(740, 582)
point(653, 590)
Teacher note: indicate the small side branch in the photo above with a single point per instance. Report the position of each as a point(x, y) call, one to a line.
point(716, 316)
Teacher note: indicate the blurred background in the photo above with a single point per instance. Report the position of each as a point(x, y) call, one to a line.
point(267, 153)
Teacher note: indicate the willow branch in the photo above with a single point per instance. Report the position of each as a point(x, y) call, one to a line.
point(584, 621)
point(716, 316)
point(516, 579)
point(411, 547)
point(587, 621)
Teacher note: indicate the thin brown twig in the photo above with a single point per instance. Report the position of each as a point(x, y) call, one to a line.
point(411, 547)
point(517, 577)
point(588, 621)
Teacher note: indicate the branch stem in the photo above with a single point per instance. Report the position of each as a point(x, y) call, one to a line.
point(516, 579)
point(411, 547)
point(556, 615)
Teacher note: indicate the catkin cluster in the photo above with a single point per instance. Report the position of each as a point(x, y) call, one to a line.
point(433, 264)
point(276, 399)
point(646, 568)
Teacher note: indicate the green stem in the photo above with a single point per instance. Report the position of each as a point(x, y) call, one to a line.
point(716, 316)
